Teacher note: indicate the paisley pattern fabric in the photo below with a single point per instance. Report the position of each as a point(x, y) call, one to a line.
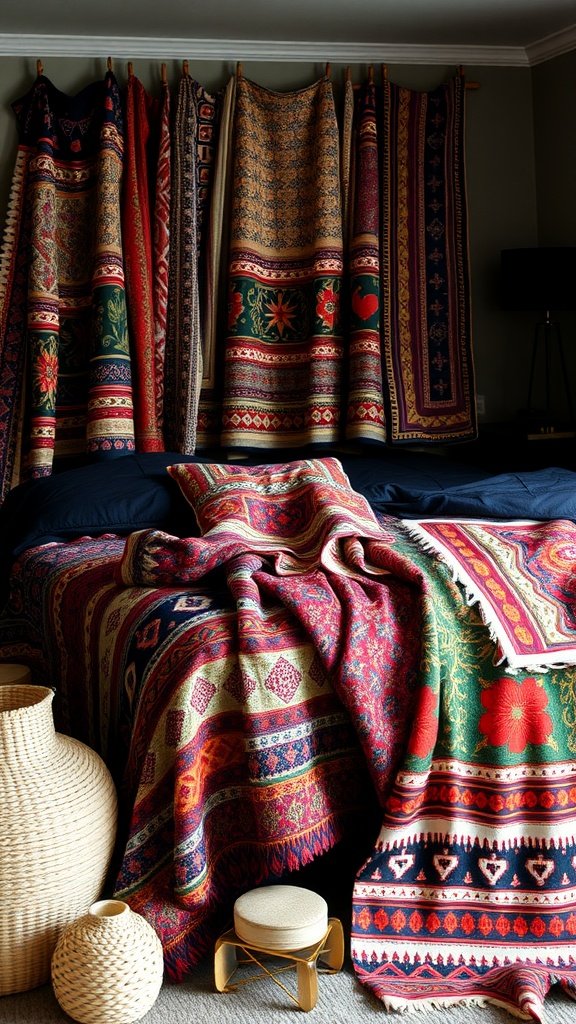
point(283, 354)
point(522, 575)
point(63, 310)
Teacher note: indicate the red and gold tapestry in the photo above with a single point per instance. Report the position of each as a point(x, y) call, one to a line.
point(142, 135)
point(426, 328)
point(65, 374)
point(283, 358)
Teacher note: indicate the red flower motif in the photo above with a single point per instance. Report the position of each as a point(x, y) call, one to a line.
point(327, 306)
point(46, 377)
point(282, 313)
point(75, 145)
point(425, 728)
point(515, 714)
point(235, 308)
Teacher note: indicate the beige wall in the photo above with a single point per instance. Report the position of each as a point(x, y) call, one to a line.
point(501, 173)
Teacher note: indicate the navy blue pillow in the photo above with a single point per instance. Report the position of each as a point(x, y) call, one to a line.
point(118, 496)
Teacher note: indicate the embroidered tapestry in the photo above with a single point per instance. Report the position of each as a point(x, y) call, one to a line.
point(283, 353)
point(426, 329)
point(523, 576)
point(65, 374)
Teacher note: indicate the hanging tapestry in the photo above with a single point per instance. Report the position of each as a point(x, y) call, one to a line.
point(365, 417)
point(214, 298)
point(195, 134)
point(425, 267)
point(65, 377)
point(161, 245)
point(141, 147)
point(283, 360)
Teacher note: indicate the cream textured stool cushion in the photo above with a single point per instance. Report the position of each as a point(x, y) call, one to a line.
point(280, 917)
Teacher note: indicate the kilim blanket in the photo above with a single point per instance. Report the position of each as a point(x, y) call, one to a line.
point(523, 576)
point(425, 274)
point(62, 300)
point(284, 350)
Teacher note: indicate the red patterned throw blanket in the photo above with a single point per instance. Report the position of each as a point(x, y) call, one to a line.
point(523, 576)
point(241, 759)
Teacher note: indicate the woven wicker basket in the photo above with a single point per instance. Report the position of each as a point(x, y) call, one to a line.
point(108, 965)
point(59, 813)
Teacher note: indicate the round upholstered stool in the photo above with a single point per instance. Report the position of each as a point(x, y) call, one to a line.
point(288, 924)
point(14, 675)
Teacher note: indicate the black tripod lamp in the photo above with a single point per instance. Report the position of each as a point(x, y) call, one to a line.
point(543, 279)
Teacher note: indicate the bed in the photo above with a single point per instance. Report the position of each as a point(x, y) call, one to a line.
point(275, 657)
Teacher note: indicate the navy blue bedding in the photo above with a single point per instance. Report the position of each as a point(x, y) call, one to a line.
point(135, 492)
point(541, 494)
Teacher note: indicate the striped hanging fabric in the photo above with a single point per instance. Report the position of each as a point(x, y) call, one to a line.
point(65, 373)
point(142, 133)
point(426, 327)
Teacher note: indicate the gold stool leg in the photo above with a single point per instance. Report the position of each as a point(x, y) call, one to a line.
point(307, 984)
point(332, 953)
point(225, 963)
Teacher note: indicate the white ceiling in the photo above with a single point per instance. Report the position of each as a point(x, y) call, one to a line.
point(409, 23)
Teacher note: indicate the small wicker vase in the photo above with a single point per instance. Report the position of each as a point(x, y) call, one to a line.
point(59, 813)
point(108, 965)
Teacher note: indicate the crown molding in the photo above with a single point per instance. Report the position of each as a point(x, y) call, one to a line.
point(12, 45)
point(552, 46)
point(15, 45)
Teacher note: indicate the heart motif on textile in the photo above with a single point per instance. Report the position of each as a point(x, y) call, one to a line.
point(399, 863)
point(492, 868)
point(444, 864)
point(364, 306)
point(540, 868)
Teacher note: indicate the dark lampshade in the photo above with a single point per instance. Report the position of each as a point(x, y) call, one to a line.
point(540, 278)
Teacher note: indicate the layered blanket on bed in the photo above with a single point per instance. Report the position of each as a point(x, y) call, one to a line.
point(242, 763)
point(248, 667)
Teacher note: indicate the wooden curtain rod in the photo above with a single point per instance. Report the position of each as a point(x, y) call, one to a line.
point(468, 85)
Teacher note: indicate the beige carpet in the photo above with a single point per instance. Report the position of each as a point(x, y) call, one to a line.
point(341, 1000)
